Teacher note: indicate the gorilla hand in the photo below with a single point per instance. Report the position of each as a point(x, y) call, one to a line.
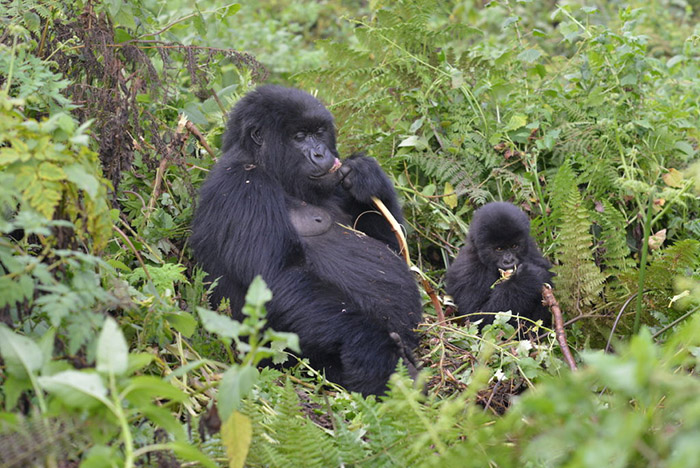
point(364, 178)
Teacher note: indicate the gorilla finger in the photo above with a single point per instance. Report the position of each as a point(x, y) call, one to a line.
point(344, 172)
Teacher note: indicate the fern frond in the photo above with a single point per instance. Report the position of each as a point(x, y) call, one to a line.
point(579, 280)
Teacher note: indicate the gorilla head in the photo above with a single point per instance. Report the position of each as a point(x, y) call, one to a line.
point(500, 232)
point(290, 135)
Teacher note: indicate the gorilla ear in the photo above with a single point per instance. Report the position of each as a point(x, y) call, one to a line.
point(255, 136)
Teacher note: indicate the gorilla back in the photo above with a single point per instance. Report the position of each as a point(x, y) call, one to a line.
point(280, 204)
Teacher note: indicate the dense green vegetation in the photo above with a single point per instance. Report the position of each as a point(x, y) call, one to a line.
point(587, 116)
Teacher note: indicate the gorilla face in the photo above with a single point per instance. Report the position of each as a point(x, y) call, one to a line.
point(320, 159)
point(506, 257)
point(291, 135)
point(500, 234)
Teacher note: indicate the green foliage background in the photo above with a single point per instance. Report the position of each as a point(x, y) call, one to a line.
point(584, 114)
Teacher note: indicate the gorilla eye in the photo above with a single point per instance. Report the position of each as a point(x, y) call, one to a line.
point(300, 136)
point(514, 246)
point(499, 249)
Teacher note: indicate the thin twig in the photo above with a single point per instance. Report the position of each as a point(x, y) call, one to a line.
point(136, 252)
point(617, 320)
point(398, 232)
point(551, 302)
point(675, 322)
point(202, 141)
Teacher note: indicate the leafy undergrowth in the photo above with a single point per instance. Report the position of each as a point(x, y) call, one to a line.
point(584, 116)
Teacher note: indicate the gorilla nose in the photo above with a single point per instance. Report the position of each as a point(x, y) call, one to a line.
point(508, 261)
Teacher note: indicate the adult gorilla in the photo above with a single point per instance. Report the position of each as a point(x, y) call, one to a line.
point(500, 267)
point(280, 204)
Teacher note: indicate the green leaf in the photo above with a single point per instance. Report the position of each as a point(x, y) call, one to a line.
point(190, 453)
point(82, 179)
point(529, 55)
point(229, 10)
point(258, 292)
point(31, 20)
point(235, 385)
point(101, 456)
point(148, 386)
point(685, 147)
point(12, 389)
point(163, 417)
point(183, 322)
point(219, 324)
point(22, 356)
point(73, 386)
point(516, 121)
point(138, 361)
point(112, 350)
point(236, 435)
point(49, 171)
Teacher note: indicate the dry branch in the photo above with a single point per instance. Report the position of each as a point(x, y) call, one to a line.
point(202, 141)
point(550, 301)
point(403, 246)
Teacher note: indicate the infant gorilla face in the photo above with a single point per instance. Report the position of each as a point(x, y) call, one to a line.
point(506, 257)
point(500, 235)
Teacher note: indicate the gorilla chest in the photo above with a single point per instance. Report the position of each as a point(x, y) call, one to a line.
point(348, 258)
point(310, 220)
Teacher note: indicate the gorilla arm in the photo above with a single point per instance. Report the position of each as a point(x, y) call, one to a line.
point(362, 179)
point(520, 292)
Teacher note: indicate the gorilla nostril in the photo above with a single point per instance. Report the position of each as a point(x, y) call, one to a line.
point(318, 219)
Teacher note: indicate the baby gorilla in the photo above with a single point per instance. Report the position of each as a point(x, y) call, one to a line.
point(500, 267)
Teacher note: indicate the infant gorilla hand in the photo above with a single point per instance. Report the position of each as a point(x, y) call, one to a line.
point(364, 178)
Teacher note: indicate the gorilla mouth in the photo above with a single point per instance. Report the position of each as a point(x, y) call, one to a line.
point(507, 273)
point(336, 165)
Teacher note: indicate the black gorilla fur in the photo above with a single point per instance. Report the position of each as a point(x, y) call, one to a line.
point(499, 238)
point(277, 204)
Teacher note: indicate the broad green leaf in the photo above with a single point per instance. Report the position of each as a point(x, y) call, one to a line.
point(138, 361)
point(183, 322)
point(516, 121)
point(112, 350)
point(163, 417)
point(235, 385)
point(21, 355)
point(236, 435)
point(102, 456)
point(12, 388)
point(258, 292)
point(72, 387)
point(229, 10)
point(685, 147)
point(529, 55)
point(31, 20)
point(219, 324)
point(149, 386)
point(191, 453)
